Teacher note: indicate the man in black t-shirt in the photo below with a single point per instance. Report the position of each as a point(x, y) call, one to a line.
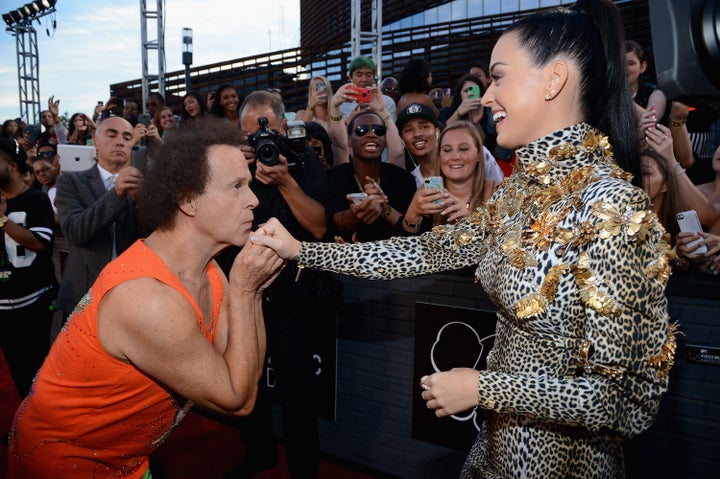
point(389, 188)
point(27, 277)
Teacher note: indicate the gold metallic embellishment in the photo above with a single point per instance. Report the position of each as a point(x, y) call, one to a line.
point(542, 230)
point(530, 305)
point(584, 362)
point(590, 293)
point(516, 256)
point(665, 359)
point(552, 281)
point(562, 152)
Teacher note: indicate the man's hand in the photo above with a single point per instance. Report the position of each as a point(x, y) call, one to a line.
point(277, 175)
point(128, 182)
point(54, 107)
point(255, 268)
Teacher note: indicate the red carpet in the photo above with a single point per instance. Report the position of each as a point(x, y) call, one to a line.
point(200, 448)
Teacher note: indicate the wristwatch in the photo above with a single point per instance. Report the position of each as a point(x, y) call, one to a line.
point(3, 219)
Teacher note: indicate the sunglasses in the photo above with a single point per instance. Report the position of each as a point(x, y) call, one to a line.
point(46, 154)
point(378, 130)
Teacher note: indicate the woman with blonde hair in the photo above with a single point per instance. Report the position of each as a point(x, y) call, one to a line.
point(464, 186)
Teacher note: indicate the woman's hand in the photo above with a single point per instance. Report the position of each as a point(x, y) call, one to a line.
point(451, 392)
point(274, 235)
point(454, 208)
point(659, 139)
point(152, 133)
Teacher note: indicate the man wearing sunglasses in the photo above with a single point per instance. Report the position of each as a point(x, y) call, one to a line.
point(389, 188)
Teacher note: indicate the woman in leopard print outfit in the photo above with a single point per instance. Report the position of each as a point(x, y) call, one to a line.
point(567, 249)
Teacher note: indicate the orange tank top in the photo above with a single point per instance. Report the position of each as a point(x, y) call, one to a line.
point(89, 414)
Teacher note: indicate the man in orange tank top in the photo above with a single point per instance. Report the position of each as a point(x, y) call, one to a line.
point(161, 329)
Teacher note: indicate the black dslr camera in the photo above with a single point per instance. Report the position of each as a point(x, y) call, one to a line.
point(270, 144)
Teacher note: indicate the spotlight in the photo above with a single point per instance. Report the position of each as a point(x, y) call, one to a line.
point(34, 7)
point(26, 10)
point(8, 19)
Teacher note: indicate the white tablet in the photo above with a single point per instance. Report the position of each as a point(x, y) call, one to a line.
point(76, 157)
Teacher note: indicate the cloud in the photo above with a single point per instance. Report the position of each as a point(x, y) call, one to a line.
point(98, 43)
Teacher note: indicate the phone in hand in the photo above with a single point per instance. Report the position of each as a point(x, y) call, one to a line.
point(144, 119)
point(689, 222)
point(435, 183)
point(364, 94)
point(33, 133)
point(358, 198)
point(473, 92)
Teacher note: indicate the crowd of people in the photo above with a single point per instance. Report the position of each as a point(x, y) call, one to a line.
point(532, 168)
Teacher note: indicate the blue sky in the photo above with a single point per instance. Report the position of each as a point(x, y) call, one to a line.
point(97, 43)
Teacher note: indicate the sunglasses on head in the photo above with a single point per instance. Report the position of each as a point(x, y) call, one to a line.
point(378, 130)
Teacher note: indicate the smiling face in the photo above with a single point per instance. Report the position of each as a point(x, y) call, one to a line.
point(516, 95)
point(229, 99)
point(459, 156)
point(167, 119)
point(370, 145)
point(420, 137)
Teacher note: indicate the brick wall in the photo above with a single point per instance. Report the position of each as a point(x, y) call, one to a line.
point(375, 382)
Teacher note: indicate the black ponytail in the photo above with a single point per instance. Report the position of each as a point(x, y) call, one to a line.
point(591, 33)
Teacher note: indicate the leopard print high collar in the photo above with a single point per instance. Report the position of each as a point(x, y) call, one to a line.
point(551, 158)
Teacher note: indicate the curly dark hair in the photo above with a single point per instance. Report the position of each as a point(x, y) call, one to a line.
point(415, 77)
point(179, 169)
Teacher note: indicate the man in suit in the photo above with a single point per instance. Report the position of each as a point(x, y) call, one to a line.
point(97, 210)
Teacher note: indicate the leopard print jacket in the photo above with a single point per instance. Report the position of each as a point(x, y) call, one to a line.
point(576, 264)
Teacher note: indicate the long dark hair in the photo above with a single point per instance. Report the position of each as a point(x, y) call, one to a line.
point(457, 92)
point(201, 101)
point(414, 77)
point(217, 108)
point(591, 33)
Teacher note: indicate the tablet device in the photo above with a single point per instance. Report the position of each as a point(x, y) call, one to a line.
point(76, 157)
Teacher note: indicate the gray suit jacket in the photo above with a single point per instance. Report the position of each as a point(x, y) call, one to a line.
point(87, 212)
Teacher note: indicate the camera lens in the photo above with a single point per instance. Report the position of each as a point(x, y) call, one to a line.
point(267, 153)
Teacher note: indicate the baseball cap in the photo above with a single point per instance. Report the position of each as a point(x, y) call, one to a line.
point(415, 110)
point(13, 149)
point(361, 62)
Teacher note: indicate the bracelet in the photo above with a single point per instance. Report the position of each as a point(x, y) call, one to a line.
point(678, 169)
point(335, 118)
point(458, 114)
point(412, 225)
point(387, 210)
point(677, 123)
point(310, 107)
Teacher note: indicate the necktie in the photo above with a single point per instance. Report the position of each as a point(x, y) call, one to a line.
point(110, 184)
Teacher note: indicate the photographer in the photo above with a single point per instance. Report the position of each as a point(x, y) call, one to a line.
point(291, 187)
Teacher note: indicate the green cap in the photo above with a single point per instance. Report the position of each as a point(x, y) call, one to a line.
point(361, 62)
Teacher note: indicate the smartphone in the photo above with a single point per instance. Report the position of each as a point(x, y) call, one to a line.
point(320, 87)
point(364, 94)
point(435, 183)
point(33, 133)
point(144, 119)
point(473, 92)
point(101, 103)
point(689, 222)
point(358, 198)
